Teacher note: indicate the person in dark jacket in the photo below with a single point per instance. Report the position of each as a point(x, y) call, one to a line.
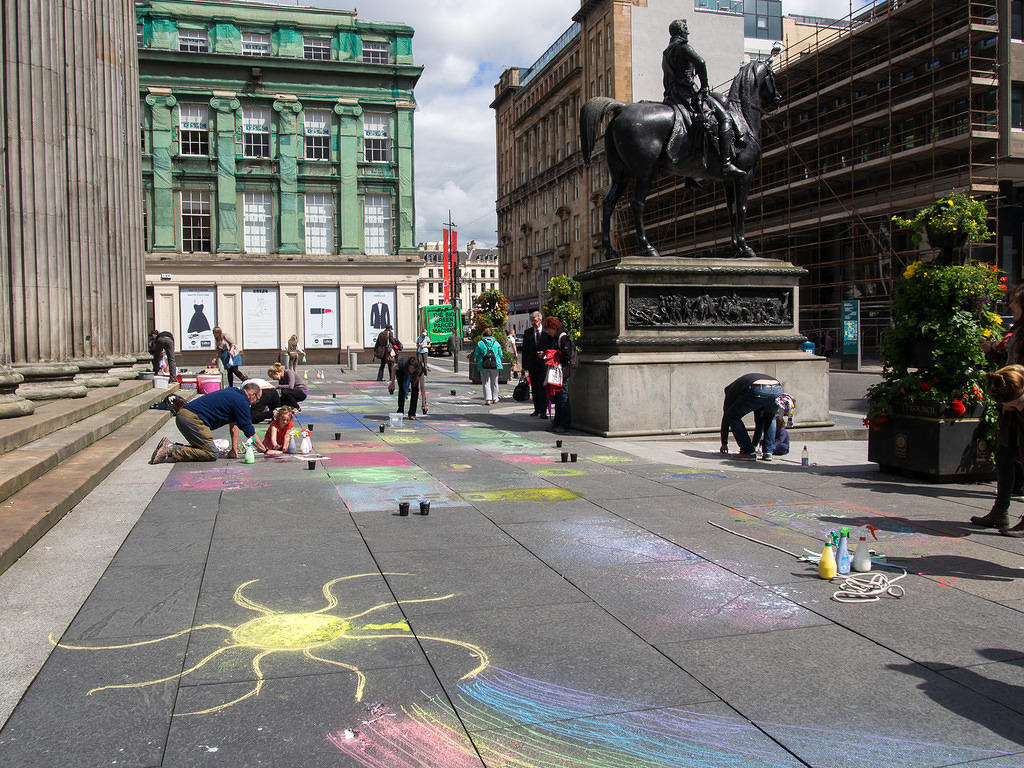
point(535, 341)
point(162, 343)
point(208, 412)
point(408, 372)
point(757, 393)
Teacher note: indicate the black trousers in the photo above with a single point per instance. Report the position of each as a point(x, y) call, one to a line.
point(540, 394)
point(292, 396)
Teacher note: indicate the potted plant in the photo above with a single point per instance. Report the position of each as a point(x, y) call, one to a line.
point(949, 224)
point(929, 416)
point(490, 310)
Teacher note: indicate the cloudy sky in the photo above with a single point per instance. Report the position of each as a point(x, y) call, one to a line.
point(464, 45)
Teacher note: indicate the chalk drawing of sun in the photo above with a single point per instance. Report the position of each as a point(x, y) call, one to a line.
point(314, 635)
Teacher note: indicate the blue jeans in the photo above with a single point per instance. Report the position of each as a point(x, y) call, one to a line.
point(760, 400)
point(404, 383)
point(563, 415)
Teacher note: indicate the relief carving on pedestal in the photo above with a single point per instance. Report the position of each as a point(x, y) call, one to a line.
point(705, 306)
point(598, 309)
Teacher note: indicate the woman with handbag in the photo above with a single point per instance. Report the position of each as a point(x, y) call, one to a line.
point(488, 361)
point(229, 355)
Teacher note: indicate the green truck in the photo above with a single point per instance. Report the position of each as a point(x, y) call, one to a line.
point(440, 321)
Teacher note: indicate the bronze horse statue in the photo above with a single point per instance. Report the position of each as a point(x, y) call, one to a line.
point(636, 139)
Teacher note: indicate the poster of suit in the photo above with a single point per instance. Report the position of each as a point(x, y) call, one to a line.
point(321, 318)
point(259, 319)
point(198, 317)
point(378, 313)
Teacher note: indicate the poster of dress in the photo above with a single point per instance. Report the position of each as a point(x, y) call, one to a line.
point(378, 313)
point(259, 319)
point(321, 318)
point(198, 318)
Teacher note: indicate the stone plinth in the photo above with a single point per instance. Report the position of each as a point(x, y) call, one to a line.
point(49, 381)
point(663, 337)
point(12, 404)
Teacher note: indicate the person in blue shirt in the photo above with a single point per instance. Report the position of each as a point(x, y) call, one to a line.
point(199, 417)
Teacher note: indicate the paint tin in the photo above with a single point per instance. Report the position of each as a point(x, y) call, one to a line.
point(382, 429)
point(337, 435)
point(572, 457)
point(558, 443)
point(334, 394)
point(403, 508)
point(424, 507)
point(311, 464)
point(309, 427)
point(565, 456)
point(453, 391)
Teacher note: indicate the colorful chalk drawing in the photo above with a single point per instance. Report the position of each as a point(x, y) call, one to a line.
point(395, 439)
point(385, 497)
point(528, 459)
point(522, 494)
point(609, 459)
point(559, 472)
point(519, 722)
point(376, 458)
point(687, 474)
point(232, 477)
point(308, 634)
point(380, 475)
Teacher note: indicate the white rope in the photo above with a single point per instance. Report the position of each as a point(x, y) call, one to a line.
point(866, 588)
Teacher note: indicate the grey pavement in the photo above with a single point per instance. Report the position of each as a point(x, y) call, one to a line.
point(643, 606)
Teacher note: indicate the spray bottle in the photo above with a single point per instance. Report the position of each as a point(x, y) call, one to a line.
point(843, 551)
point(250, 455)
point(827, 564)
point(307, 443)
point(293, 441)
point(862, 557)
point(805, 460)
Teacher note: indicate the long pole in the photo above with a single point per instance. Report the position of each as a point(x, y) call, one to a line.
point(456, 289)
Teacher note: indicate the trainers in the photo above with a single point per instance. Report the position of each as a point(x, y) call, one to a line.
point(765, 456)
point(162, 451)
point(745, 456)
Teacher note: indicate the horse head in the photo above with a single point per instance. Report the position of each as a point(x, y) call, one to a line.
point(754, 88)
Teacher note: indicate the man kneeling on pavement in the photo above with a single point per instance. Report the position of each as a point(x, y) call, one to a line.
point(197, 418)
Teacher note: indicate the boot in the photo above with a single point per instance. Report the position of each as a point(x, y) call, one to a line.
point(728, 169)
point(997, 518)
point(1016, 532)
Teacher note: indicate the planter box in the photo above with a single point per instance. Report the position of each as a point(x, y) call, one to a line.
point(927, 443)
point(474, 372)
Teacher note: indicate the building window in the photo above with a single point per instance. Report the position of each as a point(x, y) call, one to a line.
point(1017, 107)
point(376, 132)
point(319, 222)
point(317, 48)
point(140, 35)
point(256, 221)
point(193, 40)
point(377, 224)
point(255, 44)
point(430, 273)
point(193, 129)
point(576, 227)
point(376, 53)
point(255, 132)
point(196, 234)
point(318, 134)
point(1017, 19)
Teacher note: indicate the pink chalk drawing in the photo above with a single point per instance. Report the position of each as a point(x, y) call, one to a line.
point(373, 459)
point(528, 459)
point(232, 477)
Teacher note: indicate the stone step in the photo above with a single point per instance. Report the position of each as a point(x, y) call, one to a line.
point(33, 510)
point(53, 415)
point(32, 460)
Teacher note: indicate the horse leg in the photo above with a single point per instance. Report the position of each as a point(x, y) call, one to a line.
point(641, 187)
point(607, 208)
point(736, 202)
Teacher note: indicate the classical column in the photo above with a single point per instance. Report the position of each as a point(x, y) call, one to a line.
point(225, 105)
point(287, 143)
point(406, 229)
point(348, 173)
point(161, 103)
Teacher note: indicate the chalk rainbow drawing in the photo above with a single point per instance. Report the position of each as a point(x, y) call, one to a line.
point(309, 634)
point(223, 478)
point(384, 497)
point(558, 472)
point(519, 722)
point(521, 494)
point(379, 475)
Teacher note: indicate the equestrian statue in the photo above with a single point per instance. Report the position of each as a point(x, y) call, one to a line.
point(694, 133)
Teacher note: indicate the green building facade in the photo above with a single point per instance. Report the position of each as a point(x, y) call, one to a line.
point(277, 161)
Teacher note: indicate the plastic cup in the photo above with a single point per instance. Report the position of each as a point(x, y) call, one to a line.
point(572, 457)
point(565, 456)
point(558, 443)
point(453, 391)
point(382, 429)
point(309, 427)
point(403, 508)
point(424, 507)
point(337, 435)
point(311, 464)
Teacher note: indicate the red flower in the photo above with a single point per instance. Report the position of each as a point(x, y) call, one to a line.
point(925, 386)
point(958, 408)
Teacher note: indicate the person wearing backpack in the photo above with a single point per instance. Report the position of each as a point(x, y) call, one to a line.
point(562, 353)
point(488, 361)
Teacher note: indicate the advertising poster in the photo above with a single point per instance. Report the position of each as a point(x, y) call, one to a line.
point(259, 319)
point(198, 318)
point(378, 313)
point(321, 318)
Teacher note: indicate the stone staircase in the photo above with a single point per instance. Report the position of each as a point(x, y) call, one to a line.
point(50, 460)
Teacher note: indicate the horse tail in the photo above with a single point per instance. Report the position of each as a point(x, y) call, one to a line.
point(591, 114)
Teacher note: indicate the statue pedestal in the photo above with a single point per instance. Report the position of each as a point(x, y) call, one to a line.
point(663, 337)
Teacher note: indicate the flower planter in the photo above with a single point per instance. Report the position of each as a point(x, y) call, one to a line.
point(926, 442)
point(474, 372)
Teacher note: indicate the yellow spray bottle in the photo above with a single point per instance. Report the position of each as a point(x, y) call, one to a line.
point(827, 565)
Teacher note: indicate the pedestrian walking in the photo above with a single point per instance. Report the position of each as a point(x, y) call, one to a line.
point(755, 393)
point(488, 362)
point(408, 373)
point(199, 416)
point(1006, 387)
point(513, 352)
point(386, 349)
point(294, 352)
point(229, 356)
point(423, 350)
point(535, 341)
point(161, 344)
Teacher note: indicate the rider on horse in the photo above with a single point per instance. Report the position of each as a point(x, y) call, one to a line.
point(680, 63)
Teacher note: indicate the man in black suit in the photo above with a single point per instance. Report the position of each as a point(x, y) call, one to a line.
point(535, 341)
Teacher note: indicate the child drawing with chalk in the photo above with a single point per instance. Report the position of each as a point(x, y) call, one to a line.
point(279, 433)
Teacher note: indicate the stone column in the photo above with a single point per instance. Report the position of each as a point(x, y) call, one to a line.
point(160, 105)
point(405, 233)
point(225, 106)
point(348, 151)
point(287, 142)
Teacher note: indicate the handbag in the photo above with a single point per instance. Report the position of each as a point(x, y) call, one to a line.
point(236, 359)
point(522, 391)
point(553, 378)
